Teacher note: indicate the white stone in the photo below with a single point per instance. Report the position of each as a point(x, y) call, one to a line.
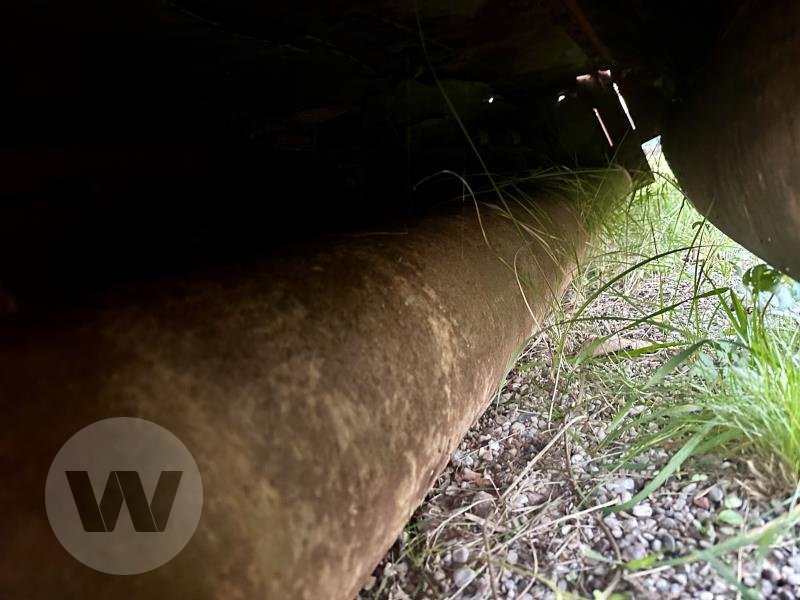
point(463, 576)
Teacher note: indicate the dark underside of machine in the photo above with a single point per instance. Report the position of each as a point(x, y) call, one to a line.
point(153, 136)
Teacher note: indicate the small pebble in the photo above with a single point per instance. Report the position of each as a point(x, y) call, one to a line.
point(702, 515)
point(635, 552)
point(619, 485)
point(794, 562)
point(770, 574)
point(668, 523)
point(715, 494)
point(460, 555)
point(656, 545)
point(668, 542)
point(485, 504)
point(463, 576)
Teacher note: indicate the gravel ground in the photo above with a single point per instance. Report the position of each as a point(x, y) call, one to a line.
point(519, 510)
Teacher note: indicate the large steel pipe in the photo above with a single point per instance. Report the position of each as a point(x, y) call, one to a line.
point(320, 392)
point(734, 139)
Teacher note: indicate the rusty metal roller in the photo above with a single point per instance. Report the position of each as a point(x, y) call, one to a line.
point(320, 392)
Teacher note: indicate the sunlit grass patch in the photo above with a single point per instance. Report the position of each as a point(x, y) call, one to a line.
point(723, 349)
point(754, 393)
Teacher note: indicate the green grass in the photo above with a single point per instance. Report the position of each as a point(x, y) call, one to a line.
point(725, 376)
point(724, 331)
point(734, 375)
point(731, 365)
point(754, 393)
point(745, 386)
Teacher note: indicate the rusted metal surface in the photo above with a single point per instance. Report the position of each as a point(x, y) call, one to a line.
point(734, 141)
point(575, 22)
point(321, 392)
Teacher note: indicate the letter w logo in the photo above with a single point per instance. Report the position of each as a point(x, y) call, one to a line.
point(124, 486)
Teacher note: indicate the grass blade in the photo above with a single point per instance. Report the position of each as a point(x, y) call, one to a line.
point(675, 361)
point(673, 465)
